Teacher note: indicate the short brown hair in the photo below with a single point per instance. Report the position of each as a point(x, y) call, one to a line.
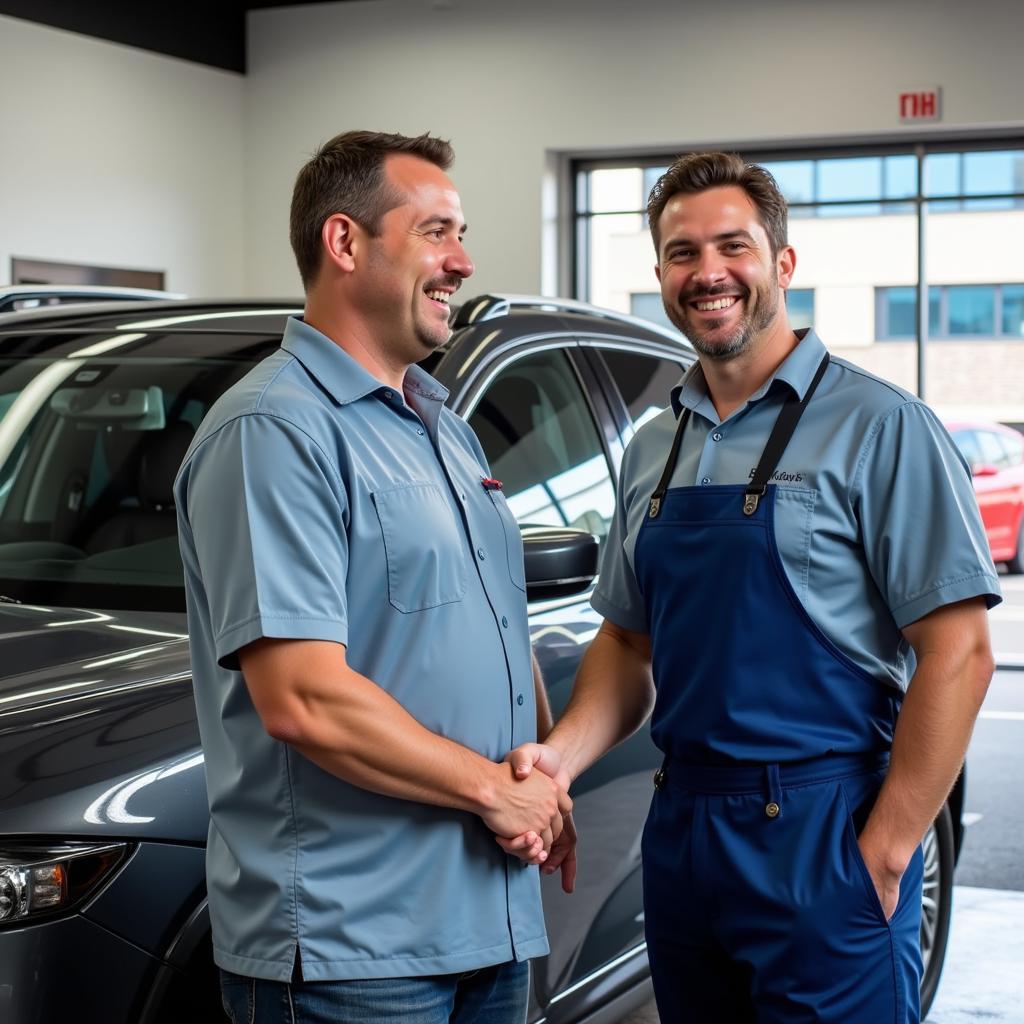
point(697, 172)
point(346, 175)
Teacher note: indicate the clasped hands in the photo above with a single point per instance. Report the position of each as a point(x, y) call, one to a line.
point(539, 798)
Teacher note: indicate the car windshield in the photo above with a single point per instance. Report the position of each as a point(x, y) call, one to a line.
point(89, 448)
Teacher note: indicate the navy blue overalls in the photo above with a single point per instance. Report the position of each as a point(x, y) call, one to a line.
point(758, 903)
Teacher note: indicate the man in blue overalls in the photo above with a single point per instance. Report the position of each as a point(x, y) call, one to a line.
point(797, 579)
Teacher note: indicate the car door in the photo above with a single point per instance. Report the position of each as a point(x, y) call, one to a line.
point(542, 419)
point(997, 496)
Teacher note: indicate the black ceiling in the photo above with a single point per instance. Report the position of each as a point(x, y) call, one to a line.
point(207, 31)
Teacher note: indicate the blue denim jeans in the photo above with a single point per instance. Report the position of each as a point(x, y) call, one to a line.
point(491, 995)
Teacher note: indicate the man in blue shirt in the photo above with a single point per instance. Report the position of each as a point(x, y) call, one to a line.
point(359, 637)
point(796, 580)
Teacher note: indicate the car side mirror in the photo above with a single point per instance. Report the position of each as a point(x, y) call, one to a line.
point(984, 469)
point(560, 561)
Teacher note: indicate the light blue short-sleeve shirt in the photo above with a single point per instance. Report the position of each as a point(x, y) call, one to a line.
point(876, 519)
point(317, 503)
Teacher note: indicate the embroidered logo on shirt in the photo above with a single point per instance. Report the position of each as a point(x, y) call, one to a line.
point(781, 476)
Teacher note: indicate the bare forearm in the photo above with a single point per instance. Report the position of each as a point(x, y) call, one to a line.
point(544, 720)
point(612, 697)
point(308, 696)
point(930, 741)
point(368, 739)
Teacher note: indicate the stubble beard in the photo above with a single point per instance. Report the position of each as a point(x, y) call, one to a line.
point(723, 349)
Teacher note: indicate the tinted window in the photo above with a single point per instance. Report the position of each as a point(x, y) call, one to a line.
point(800, 305)
point(992, 451)
point(972, 309)
point(644, 382)
point(541, 442)
point(1015, 446)
point(89, 447)
point(968, 445)
point(1013, 310)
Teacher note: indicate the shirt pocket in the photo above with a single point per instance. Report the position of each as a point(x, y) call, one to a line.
point(794, 525)
point(423, 546)
point(513, 540)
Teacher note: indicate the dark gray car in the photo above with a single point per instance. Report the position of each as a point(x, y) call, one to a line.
point(103, 814)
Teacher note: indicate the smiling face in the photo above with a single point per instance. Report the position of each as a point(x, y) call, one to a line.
point(720, 282)
point(416, 262)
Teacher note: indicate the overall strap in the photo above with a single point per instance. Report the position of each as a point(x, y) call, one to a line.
point(670, 465)
point(789, 417)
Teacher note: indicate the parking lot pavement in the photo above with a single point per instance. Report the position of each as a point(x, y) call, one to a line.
point(982, 978)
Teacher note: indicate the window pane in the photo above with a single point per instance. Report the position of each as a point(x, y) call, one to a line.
point(800, 304)
point(900, 312)
point(968, 445)
point(541, 442)
point(795, 179)
point(999, 171)
point(851, 210)
point(992, 451)
point(651, 175)
point(971, 309)
point(650, 307)
point(1015, 446)
point(900, 177)
point(617, 189)
point(899, 316)
point(1013, 310)
point(858, 178)
point(644, 382)
point(942, 174)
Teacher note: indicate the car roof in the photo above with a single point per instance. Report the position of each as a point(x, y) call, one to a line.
point(490, 320)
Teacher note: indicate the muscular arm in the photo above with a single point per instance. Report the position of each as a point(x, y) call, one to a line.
point(954, 666)
point(307, 696)
point(544, 719)
point(611, 698)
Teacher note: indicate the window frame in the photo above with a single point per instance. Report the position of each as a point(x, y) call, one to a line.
point(883, 333)
point(920, 145)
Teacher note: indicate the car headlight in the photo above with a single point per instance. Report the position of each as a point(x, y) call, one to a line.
point(37, 880)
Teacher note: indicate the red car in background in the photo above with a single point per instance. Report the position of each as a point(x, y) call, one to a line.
point(996, 456)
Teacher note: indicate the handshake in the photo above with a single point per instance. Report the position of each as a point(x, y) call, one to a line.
point(530, 812)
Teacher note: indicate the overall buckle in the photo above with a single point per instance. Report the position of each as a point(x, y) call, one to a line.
point(751, 497)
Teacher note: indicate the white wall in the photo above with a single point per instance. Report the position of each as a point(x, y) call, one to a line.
point(115, 156)
point(510, 82)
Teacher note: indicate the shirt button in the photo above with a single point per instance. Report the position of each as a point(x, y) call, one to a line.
point(389, 395)
point(419, 430)
point(480, 554)
point(706, 480)
point(504, 621)
point(463, 495)
point(716, 436)
point(519, 700)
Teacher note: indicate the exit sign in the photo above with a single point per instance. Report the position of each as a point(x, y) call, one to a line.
point(920, 105)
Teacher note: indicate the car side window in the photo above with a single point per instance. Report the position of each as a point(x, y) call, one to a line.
point(1016, 449)
point(541, 441)
point(992, 451)
point(645, 382)
point(967, 442)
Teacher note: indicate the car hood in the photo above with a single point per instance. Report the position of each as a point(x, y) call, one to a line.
point(97, 726)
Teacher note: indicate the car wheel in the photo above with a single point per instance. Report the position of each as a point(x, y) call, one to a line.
point(936, 903)
point(1016, 564)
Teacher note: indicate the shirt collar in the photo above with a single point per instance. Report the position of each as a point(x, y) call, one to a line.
point(340, 375)
point(797, 371)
